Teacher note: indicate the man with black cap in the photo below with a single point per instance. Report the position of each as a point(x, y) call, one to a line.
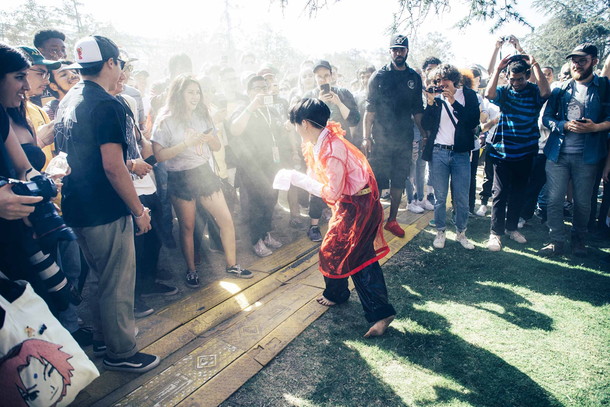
point(394, 102)
point(100, 202)
point(343, 109)
point(578, 115)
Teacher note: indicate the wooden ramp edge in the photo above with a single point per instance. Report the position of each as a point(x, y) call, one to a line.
point(209, 351)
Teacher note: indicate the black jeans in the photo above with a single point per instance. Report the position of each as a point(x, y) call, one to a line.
point(488, 180)
point(510, 181)
point(371, 288)
point(534, 186)
point(148, 246)
point(260, 202)
point(316, 206)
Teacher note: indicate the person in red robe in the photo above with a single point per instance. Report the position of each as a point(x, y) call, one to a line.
point(340, 174)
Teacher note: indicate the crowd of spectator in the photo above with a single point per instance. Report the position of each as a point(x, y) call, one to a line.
point(128, 154)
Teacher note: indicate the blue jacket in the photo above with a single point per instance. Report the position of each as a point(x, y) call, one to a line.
point(555, 118)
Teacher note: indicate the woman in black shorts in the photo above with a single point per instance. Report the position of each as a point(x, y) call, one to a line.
point(184, 137)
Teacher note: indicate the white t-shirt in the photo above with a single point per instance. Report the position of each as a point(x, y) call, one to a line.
point(446, 129)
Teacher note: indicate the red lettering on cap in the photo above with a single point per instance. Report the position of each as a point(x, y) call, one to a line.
point(79, 51)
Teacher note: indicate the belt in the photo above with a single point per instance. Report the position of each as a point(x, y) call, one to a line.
point(444, 147)
point(363, 191)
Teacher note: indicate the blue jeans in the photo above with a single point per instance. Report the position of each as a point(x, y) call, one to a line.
point(557, 176)
point(446, 163)
point(417, 174)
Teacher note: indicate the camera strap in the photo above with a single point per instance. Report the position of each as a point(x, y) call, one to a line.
point(449, 113)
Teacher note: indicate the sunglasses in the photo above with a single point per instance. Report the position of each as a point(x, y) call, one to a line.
point(121, 63)
point(42, 74)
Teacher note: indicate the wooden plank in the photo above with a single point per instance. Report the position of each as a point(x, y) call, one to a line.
point(284, 256)
point(221, 386)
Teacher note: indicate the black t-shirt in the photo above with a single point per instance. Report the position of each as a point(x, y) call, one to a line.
point(6, 164)
point(394, 96)
point(87, 118)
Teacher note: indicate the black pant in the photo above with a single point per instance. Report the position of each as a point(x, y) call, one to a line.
point(316, 206)
point(472, 194)
point(371, 288)
point(510, 181)
point(534, 186)
point(260, 202)
point(148, 246)
point(488, 180)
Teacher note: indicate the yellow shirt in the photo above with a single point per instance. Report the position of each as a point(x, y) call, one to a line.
point(37, 118)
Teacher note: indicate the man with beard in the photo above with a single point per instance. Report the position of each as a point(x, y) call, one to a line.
point(514, 143)
point(393, 102)
point(578, 115)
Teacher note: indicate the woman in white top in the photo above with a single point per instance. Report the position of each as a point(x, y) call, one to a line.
point(183, 137)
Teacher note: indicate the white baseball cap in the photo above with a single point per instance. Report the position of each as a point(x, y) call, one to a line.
point(90, 51)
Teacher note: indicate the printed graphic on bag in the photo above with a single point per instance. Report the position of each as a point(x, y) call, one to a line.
point(34, 373)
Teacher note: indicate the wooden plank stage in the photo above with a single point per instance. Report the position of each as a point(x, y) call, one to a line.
point(215, 339)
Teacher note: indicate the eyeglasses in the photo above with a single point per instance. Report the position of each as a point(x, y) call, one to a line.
point(128, 68)
point(42, 74)
point(581, 61)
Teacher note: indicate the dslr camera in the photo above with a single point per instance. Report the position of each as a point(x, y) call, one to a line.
point(48, 225)
point(434, 89)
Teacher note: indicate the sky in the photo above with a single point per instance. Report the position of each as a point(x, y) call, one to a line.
point(343, 25)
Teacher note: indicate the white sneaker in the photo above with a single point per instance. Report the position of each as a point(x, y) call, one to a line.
point(439, 240)
point(425, 204)
point(466, 244)
point(482, 211)
point(517, 237)
point(413, 207)
point(271, 242)
point(494, 244)
point(261, 249)
point(521, 223)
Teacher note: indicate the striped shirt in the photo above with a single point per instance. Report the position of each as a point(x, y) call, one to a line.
point(516, 135)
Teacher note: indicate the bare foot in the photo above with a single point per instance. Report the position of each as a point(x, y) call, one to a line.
point(379, 327)
point(325, 301)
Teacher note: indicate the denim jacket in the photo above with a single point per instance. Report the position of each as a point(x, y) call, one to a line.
point(555, 118)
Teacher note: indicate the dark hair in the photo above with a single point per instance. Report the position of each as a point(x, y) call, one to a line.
point(176, 60)
point(175, 105)
point(519, 66)
point(255, 78)
point(11, 60)
point(44, 35)
point(52, 79)
point(476, 72)
point(446, 71)
point(430, 61)
point(93, 70)
point(313, 110)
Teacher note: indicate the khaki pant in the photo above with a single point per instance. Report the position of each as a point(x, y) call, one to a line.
point(109, 250)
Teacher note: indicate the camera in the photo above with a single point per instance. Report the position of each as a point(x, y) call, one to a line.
point(268, 100)
point(434, 89)
point(324, 88)
point(506, 38)
point(48, 225)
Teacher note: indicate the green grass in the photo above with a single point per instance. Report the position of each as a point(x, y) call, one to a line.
point(474, 328)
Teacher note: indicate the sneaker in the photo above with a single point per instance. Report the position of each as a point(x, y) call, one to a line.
point(314, 234)
point(394, 228)
point(141, 310)
point(552, 249)
point(261, 250)
point(425, 204)
point(521, 223)
point(466, 244)
point(83, 336)
point(482, 211)
point(237, 271)
point(160, 289)
point(516, 236)
point(271, 242)
point(415, 208)
point(385, 196)
point(495, 243)
point(430, 198)
point(99, 348)
point(138, 363)
point(163, 275)
point(295, 222)
point(439, 240)
point(192, 279)
point(578, 246)
point(432, 223)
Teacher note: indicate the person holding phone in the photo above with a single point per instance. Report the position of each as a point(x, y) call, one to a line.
point(344, 110)
point(578, 115)
point(184, 137)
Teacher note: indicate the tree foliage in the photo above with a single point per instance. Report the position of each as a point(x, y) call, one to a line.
point(570, 24)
